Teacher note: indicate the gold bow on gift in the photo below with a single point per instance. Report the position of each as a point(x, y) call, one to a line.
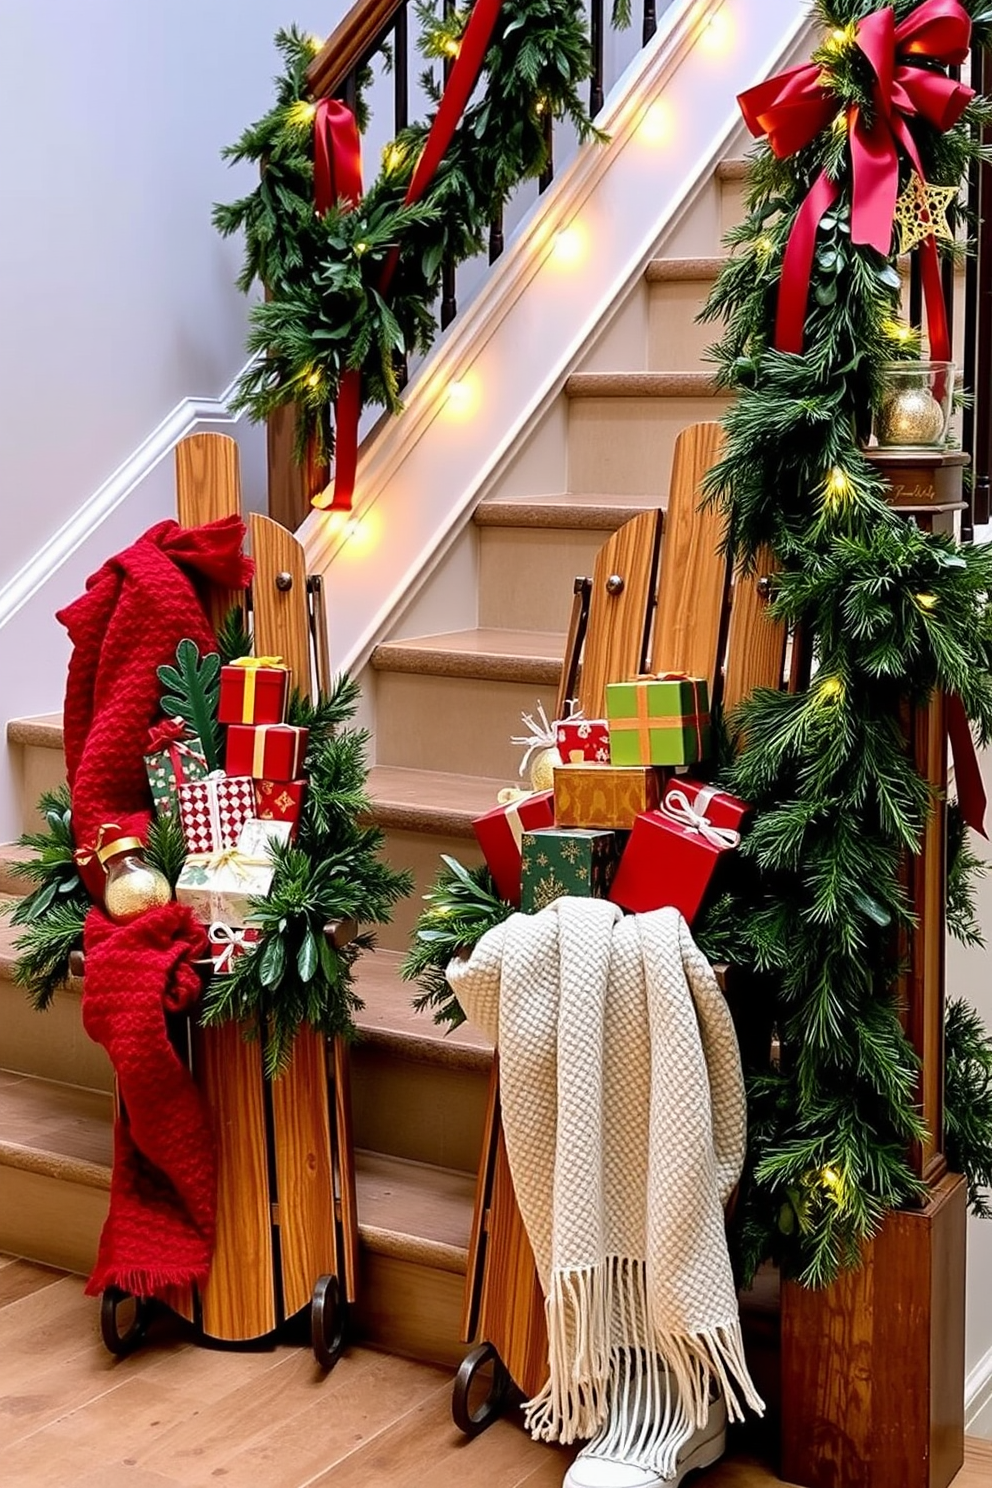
point(251, 665)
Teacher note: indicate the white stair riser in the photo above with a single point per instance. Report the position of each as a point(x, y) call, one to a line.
point(420, 852)
point(54, 1221)
point(36, 769)
point(526, 575)
point(675, 342)
point(424, 1112)
point(53, 1044)
point(454, 723)
point(624, 445)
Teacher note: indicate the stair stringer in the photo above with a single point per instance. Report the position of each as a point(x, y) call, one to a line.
point(420, 476)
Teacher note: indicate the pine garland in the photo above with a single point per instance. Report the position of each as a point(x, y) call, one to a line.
point(895, 615)
point(323, 313)
point(53, 914)
point(462, 905)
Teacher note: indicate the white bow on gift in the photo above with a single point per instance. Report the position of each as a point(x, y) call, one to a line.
point(541, 736)
point(228, 939)
point(677, 806)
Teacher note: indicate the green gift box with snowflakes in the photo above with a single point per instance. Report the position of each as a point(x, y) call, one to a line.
point(173, 757)
point(577, 861)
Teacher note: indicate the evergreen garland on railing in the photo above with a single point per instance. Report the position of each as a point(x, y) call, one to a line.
point(323, 313)
point(895, 615)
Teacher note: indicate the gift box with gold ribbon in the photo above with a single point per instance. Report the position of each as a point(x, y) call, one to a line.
point(219, 886)
point(604, 795)
point(253, 689)
point(267, 751)
point(500, 835)
point(658, 720)
point(672, 853)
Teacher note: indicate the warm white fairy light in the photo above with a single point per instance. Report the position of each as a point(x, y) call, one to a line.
point(568, 247)
point(717, 33)
point(655, 126)
point(462, 398)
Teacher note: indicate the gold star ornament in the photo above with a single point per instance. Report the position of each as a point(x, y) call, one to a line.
point(921, 210)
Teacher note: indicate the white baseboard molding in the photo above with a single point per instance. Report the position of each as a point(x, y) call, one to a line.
point(187, 415)
point(978, 1398)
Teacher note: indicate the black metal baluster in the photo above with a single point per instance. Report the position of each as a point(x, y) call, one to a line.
point(548, 173)
point(349, 92)
point(596, 39)
point(496, 237)
point(650, 25)
point(401, 65)
point(915, 292)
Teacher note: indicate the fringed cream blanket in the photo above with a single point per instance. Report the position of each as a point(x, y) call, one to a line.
point(624, 1116)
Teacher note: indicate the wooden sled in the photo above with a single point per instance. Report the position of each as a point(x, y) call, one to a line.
point(287, 1222)
point(662, 598)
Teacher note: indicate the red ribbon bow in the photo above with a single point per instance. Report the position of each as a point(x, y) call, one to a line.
point(793, 108)
point(161, 735)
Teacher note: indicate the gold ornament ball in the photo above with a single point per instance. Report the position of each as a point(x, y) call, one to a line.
point(909, 417)
point(542, 769)
point(133, 889)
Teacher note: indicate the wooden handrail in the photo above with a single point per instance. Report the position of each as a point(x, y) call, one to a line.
point(350, 44)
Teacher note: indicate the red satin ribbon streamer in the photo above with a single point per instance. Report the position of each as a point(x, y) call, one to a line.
point(457, 92)
point(792, 109)
point(967, 770)
point(337, 177)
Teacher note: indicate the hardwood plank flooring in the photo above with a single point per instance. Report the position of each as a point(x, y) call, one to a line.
point(179, 1415)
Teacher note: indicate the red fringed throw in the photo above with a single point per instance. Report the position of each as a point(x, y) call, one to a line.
point(135, 611)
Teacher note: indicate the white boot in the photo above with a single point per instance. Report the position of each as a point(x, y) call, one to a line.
point(706, 1446)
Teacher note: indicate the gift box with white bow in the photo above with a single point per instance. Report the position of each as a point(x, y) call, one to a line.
point(228, 942)
point(672, 853)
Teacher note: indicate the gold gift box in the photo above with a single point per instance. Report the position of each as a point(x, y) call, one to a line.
point(608, 796)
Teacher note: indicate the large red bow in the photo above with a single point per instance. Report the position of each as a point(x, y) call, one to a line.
point(794, 107)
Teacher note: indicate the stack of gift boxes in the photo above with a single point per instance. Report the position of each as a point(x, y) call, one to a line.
point(229, 817)
point(620, 824)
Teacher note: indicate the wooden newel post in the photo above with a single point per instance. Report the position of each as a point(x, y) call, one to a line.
point(873, 1366)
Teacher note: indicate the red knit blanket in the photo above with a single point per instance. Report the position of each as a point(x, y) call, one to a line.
point(135, 611)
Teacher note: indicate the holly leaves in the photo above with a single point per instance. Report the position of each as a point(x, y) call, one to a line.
point(191, 690)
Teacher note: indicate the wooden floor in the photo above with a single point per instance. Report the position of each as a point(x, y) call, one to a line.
point(176, 1415)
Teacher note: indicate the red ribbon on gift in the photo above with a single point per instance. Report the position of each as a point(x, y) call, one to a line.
point(793, 108)
point(168, 738)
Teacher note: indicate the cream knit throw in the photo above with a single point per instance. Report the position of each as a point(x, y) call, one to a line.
point(624, 1117)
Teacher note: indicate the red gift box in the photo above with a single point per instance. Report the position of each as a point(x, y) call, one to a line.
point(253, 689)
point(228, 942)
point(213, 811)
point(280, 800)
point(671, 853)
point(583, 741)
point(269, 751)
point(500, 835)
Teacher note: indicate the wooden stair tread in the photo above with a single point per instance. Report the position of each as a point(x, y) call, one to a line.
point(486, 655)
point(390, 1022)
point(732, 169)
point(564, 510)
point(44, 731)
point(414, 1211)
point(683, 270)
point(430, 800)
point(643, 385)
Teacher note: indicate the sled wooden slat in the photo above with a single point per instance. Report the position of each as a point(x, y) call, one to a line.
point(344, 1150)
point(623, 592)
point(301, 1122)
point(279, 600)
point(511, 1313)
point(239, 1300)
point(483, 1189)
point(756, 645)
point(208, 487)
point(692, 584)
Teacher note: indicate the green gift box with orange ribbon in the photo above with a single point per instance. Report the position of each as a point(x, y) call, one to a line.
point(661, 719)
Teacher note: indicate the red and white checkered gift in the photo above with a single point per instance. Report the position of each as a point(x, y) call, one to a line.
point(214, 810)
